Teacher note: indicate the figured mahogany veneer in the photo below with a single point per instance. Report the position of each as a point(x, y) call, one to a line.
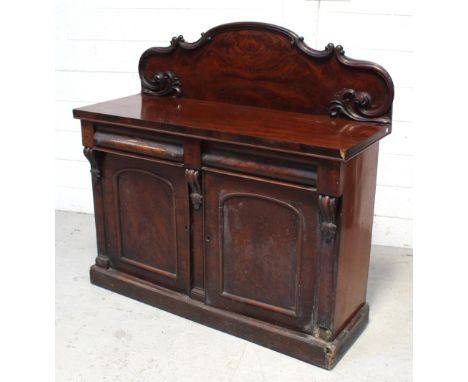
point(268, 66)
point(237, 189)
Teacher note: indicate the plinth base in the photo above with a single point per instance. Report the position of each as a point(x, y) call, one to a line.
point(295, 344)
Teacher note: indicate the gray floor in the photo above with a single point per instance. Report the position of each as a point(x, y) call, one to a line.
point(102, 336)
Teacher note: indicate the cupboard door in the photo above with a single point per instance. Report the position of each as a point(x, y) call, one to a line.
point(260, 248)
point(146, 208)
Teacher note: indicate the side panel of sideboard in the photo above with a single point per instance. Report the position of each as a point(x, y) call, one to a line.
point(87, 134)
point(360, 175)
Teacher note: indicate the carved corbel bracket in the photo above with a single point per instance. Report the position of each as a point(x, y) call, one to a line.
point(328, 211)
point(328, 220)
point(193, 179)
point(90, 154)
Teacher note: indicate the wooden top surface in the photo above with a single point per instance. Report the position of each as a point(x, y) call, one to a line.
point(309, 134)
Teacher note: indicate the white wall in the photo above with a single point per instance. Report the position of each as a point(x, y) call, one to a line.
point(99, 42)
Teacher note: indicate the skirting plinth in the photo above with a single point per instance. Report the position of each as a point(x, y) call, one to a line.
point(295, 344)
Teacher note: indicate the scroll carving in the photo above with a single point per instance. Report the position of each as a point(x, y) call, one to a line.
point(355, 105)
point(358, 104)
point(163, 83)
point(328, 210)
point(193, 180)
point(90, 154)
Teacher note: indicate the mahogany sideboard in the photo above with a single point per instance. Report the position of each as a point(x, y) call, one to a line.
point(237, 189)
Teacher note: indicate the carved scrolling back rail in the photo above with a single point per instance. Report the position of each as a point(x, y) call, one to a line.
point(268, 66)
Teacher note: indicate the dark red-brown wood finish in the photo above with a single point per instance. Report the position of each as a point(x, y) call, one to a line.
point(268, 66)
point(237, 189)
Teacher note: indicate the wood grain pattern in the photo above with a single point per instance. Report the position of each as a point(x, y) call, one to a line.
point(355, 238)
point(260, 163)
point(142, 146)
point(277, 71)
point(147, 216)
point(258, 235)
point(87, 133)
point(147, 240)
point(315, 135)
point(262, 252)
